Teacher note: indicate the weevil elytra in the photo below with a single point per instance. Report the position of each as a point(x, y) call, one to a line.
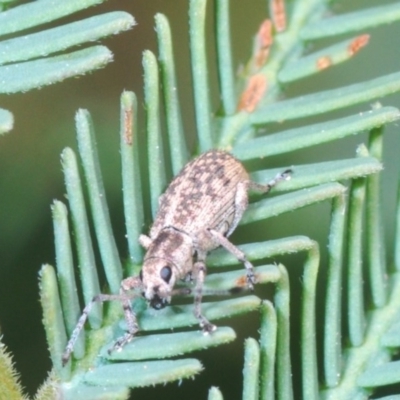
point(199, 210)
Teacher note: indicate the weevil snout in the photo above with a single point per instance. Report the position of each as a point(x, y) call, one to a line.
point(158, 302)
point(158, 281)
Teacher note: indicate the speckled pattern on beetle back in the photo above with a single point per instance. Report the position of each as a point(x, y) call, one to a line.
point(202, 196)
point(199, 210)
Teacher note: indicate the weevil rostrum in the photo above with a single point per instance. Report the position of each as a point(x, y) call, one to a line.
point(199, 210)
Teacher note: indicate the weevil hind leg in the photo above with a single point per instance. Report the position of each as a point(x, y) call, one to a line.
point(258, 187)
point(241, 202)
point(224, 242)
point(241, 195)
point(199, 272)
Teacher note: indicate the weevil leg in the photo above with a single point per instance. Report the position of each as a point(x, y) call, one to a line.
point(130, 317)
point(145, 241)
point(241, 201)
point(100, 298)
point(224, 242)
point(258, 187)
point(188, 278)
point(199, 272)
point(123, 297)
point(241, 195)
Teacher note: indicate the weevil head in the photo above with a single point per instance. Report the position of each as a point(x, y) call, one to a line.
point(158, 280)
point(168, 258)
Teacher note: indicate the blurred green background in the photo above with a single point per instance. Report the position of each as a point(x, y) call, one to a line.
point(30, 170)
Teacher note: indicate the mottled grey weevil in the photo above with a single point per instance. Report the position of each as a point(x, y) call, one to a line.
point(199, 210)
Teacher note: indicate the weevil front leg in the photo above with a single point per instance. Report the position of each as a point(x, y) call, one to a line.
point(100, 298)
point(124, 298)
point(127, 285)
point(199, 273)
point(145, 241)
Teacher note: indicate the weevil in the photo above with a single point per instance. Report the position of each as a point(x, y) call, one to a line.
point(197, 213)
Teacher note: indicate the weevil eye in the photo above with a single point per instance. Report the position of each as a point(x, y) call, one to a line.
point(166, 273)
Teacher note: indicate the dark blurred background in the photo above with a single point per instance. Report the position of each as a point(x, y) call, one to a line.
point(30, 171)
